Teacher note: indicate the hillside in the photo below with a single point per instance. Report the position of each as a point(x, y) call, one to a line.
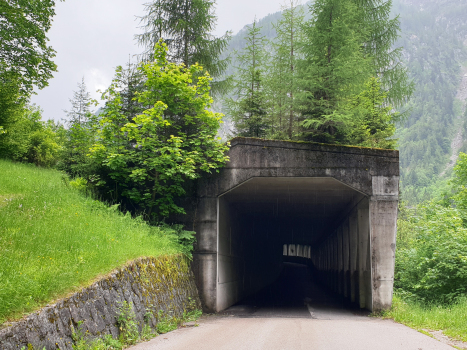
point(434, 38)
point(54, 240)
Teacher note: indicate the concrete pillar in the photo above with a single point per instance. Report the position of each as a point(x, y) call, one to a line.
point(205, 254)
point(340, 258)
point(383, 223)
point(336, 261)
point(329, 276)
point(346, 258)
point(353, 251)
point(383, 216)
point(364, 273)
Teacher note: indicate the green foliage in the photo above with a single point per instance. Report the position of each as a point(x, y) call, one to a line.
point(333, 75)
point(79, 183)
point(83, 342)
point(334, 69)
point(11, 101)
point(431, 257)
point(184, 238)
point(53, 239)
point(435, 54)
point(171, 140)
point(127, 324)
point(459, 184)
point(431, 260)
point(23, 42)
point(281, 81)
point(80, 136)
point(248, 111)
point(186, 27)
point(451, 319)
point(373, 120)
point(30, 140)
point(166, 324)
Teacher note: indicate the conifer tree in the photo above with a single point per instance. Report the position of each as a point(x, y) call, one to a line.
point(282, 79)
point(80, 106)
point(80, 134)
point(381, 33)
point(348, 54)
point(249, 110)
point(186, 27)
point(333, 70)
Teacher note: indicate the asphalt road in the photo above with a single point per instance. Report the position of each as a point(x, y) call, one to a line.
point(293, 313)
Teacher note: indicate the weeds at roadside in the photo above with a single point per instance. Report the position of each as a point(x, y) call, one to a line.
point(128, 327)
point(451, 319)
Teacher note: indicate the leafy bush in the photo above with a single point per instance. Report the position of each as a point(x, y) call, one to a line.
point(184, 238)
point(80, 184)
point(31, 140)
point(431, 260)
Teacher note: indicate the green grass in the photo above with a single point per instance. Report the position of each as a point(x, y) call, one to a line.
point(452, 320)
point(54, 240)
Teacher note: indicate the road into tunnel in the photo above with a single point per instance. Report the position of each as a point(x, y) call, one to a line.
point(316, 221)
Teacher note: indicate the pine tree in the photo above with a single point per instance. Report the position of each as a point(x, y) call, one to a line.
point(129, 81)
point(373, 121)
point(334, 69)
point(186, 27)
point(80, 134)
point(80, 106)
point(249, 110)
point(282, 74)
point(381, 33)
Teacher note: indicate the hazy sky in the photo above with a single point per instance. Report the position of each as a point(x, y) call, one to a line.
point(92, 37)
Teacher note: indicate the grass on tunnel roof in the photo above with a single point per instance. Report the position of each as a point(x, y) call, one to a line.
point(54, 240)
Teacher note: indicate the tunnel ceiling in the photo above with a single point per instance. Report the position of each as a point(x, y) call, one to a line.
point(316, 201)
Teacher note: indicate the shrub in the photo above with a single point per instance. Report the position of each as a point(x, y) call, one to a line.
point(431, 260)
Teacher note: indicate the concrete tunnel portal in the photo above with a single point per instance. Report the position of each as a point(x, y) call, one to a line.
point(264, 216)
point(333, 208)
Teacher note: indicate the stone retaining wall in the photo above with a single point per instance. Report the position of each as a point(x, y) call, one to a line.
point(161, 286)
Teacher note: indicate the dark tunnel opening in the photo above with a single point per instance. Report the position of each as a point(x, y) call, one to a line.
point(289, 242)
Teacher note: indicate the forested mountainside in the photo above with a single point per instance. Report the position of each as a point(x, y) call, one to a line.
point(434, 38)
point(433, 34)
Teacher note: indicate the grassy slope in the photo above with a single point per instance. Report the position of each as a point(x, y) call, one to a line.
point(53, 240)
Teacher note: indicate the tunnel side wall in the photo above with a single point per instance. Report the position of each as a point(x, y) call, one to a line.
point(342, 260)
point(246, 259)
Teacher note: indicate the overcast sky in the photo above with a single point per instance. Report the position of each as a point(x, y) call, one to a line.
point(92, 37)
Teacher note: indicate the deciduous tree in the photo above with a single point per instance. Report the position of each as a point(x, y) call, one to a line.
point(171, 140)
point(23, 42)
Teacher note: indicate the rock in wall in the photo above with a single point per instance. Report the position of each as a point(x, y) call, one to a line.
point(155, 287)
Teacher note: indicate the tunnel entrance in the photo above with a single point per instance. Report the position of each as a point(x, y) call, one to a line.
point(331, 207)
point(266, 222)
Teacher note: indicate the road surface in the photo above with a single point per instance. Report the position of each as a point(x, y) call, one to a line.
point(293, 314)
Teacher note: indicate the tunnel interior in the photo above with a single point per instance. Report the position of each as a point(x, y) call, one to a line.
point(270, 229)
